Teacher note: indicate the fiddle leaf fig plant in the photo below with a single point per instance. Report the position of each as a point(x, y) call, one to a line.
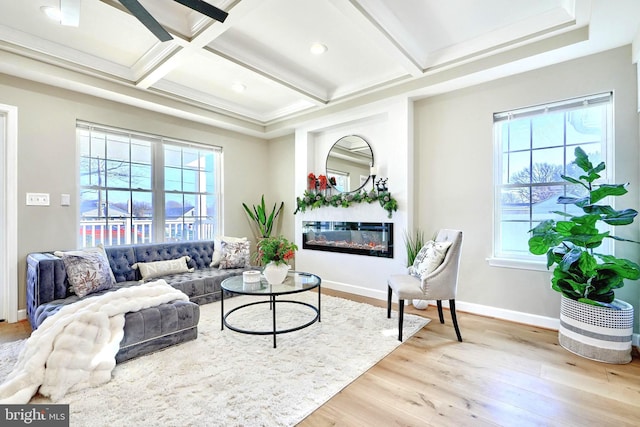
point(263, 220)
point(581, 273)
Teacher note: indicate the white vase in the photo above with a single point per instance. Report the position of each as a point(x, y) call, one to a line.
point(276, 273)
point(597, 333)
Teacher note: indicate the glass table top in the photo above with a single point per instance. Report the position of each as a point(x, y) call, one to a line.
point(296, 281)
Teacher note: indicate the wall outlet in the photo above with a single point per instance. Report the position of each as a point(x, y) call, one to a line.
point(37, 199)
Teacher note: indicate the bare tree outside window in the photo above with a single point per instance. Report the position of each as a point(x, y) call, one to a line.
point(534, 149)
point(117, 190)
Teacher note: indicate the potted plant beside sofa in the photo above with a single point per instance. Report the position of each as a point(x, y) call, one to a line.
point(263, 219)
point(593, 323)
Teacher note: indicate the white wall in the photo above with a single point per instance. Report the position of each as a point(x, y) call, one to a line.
point(47, 161)
point(454, 156)
point(386, 128)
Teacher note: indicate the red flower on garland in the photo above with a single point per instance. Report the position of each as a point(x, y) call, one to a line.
point(323, 182)
point(311, 179)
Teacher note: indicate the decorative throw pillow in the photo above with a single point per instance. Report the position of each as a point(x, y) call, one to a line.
point(234, 255)
point(149, 270)
point(429, 258)
point(217, 247)
point(88, 270)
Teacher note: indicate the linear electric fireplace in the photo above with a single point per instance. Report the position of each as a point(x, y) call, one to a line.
point(359, 238)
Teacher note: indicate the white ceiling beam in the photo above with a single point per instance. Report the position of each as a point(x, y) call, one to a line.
point(162, 64)
point(354, 11)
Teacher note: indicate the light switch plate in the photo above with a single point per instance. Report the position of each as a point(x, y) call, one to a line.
point(37, 199)
point(65, 200)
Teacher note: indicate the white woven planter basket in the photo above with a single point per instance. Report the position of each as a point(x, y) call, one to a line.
point(597, 333)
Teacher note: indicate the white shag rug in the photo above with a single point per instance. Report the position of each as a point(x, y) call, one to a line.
point(224, 378)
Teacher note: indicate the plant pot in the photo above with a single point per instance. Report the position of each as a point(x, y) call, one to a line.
point(276, 273)
point(598, 333)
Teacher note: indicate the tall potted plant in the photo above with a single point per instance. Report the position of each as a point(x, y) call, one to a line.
point(593, 323)
point(264, 221)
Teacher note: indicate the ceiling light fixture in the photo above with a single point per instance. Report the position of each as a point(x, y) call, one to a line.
point(318, 48)
point(52, 13)
point(238, 87)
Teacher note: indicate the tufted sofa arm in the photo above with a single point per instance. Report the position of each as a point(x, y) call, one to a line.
point(46, 281)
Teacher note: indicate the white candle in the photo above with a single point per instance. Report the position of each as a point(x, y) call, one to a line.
point(373, 170)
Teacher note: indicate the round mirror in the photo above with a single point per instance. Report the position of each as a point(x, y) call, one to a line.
point(349, 163)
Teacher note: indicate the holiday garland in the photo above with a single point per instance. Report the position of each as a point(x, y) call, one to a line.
point(319, 195)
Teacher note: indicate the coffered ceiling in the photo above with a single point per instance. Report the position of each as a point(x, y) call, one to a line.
point(255, 71)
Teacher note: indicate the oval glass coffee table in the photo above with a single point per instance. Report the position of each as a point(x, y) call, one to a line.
point(295, 282)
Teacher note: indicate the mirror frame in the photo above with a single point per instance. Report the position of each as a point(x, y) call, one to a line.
point(369, 166)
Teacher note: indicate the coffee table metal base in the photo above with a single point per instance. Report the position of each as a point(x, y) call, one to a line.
point(273, 303)
point(272, 294)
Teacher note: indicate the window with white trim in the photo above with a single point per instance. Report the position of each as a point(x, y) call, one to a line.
point(533, 148)
point(140, 188)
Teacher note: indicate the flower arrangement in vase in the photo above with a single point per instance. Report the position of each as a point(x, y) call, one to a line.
point(275, 253)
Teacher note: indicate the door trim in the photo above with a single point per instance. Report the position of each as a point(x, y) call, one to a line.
point(9, 216)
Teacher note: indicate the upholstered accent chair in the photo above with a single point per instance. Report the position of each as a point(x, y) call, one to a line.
point(439, 284)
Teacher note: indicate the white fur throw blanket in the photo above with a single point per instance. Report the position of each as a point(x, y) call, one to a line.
point(76, 347)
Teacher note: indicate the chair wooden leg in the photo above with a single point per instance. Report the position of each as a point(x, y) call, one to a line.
point(389, 295)
point(439, 302)
point(400, 318)
point(452, 308)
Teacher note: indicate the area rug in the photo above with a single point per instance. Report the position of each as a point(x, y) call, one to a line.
point(224, 378)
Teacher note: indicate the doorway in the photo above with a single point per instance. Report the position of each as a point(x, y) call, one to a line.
point(8, 213)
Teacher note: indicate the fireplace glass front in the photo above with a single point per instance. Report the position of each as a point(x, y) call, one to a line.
point(359, 238)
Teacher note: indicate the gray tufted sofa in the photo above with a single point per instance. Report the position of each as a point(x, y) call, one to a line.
point(147, 330)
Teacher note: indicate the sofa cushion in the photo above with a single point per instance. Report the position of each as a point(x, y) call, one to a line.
point(203, 285)
point(199, 251)
point(122, 259)
point(88, 270)
point(217, 248)
point(234, 255)
point(149, 270)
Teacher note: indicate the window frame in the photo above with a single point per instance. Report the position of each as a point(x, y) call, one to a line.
point(157, 160)
point(512, 259)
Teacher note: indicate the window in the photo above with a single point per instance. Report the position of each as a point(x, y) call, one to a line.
point(138, 188)
point(533, 148)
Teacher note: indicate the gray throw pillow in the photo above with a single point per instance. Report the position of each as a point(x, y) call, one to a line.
point(234, 255)
point(87, 270)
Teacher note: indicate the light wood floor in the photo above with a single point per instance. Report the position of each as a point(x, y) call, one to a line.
point(503, 374)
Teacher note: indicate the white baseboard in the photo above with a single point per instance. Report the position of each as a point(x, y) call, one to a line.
point(357, 290)
point(483, 310)
point(510, 315)
point(22, 314)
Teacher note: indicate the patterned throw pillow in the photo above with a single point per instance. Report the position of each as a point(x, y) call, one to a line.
point(234, 255)
point(87, 270)
point(429, 258)
point(217, 247)
point(150, 270)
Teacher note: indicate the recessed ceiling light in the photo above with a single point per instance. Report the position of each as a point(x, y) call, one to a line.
point(52, 13)
point(318, 48)
point(238, 87)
